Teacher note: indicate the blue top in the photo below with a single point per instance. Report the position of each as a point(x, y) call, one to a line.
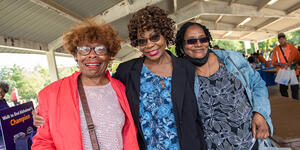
point(254, 85)
point(156, 112)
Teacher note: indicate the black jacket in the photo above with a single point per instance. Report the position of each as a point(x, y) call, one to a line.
point(188, 121)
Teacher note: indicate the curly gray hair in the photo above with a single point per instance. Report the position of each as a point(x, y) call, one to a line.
point(4, 86)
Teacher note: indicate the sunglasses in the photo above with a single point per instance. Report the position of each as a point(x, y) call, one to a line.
point(194, 41)
point(144, 41)
point(84, 50)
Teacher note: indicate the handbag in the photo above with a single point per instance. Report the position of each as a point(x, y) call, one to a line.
point(88, 117)
point(283, 76)
point(293, 78)
point(286, 76)
point(266, 144)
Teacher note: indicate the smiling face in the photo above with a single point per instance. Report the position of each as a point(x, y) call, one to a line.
point(197, 50)
point(155, 45)
point(92, 65)
point(282, 41)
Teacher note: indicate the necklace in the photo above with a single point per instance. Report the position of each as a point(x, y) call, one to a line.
point(204, 73)
point(162, 84)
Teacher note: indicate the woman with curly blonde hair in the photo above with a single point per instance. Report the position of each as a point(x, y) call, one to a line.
point(89, 109)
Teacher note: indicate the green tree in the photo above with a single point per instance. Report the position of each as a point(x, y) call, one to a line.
point(66, 71)
point(230, 45)
point(28, 83)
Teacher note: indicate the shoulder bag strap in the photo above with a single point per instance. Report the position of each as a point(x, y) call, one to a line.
point(283, 54)
point(88, 116)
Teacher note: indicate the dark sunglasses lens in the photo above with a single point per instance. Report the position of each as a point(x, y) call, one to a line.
point(191, 41)
point(142, 42)
point(203, 40)
point(154, 38)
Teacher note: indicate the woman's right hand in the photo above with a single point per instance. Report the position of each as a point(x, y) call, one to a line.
point(38, 121)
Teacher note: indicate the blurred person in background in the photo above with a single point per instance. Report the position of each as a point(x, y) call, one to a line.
point(286, 55)
point(14, 96)
point(260, 59)
point(4, 87)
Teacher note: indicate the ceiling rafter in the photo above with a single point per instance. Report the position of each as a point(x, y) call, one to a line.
point(116, 12)
point(262, 4)
point(231, 2)
point(175, 5)
point(217, 8)
point(293, 9)
point(57, 8)
point(219, 19)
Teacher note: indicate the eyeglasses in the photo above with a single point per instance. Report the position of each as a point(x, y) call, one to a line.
point(84, 50)
point(194, 41)
point(144, 41)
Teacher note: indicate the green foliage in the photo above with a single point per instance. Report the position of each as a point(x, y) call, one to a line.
point(66, 71)
point(231, 45)
point(30, 82)
point(294, 38)
point(114, 67)
point(267, 45)
point(172, 50)
point(270, 44)
point(27, 83)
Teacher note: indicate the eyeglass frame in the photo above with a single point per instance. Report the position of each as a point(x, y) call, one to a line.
point(89, 49)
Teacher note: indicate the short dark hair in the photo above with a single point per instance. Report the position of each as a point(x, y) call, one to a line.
point(216, 47)
point(4, 86)
point(280, 35)
point(151, 17)
point(180, 36)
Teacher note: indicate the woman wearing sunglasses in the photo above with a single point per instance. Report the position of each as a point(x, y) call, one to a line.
point(160, 96)
point(89, 109)
point(232, 98)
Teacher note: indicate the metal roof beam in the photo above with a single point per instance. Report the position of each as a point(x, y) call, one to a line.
point(217, 8)
point(175, 5)
point(231, 2)
point(225, 26)
point(219, 19)
point(293, 9)
point(59, 9)
point(291, 28)
point(123, 9)
point(19, 44)
point(114, 13)
point(262, 4)
point(268, 23)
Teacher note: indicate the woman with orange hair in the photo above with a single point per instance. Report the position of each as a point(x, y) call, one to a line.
point(89, 109)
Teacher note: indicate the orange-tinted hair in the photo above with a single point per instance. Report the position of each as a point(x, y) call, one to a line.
point(92, 32)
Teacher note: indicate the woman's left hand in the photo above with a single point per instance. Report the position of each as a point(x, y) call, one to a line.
point(260, 128)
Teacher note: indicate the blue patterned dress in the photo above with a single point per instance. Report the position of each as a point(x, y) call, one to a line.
point(156, 114)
